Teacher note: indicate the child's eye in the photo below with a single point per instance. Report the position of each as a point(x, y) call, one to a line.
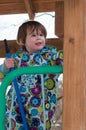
point(33, 35)
point(41, 34)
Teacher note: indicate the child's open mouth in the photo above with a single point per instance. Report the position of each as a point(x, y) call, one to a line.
point(38, 43)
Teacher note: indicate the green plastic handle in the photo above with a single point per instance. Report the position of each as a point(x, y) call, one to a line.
point(17, 72)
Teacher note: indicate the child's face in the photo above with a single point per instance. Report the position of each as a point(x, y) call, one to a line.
point(34, 41)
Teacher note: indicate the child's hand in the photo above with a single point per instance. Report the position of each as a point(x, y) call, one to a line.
point(9, 63)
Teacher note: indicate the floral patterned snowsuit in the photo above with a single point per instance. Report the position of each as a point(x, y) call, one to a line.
point(38, 92)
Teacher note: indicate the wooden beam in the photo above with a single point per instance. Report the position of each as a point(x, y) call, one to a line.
point(30, 9)
point(59, 18)
point(18, 6)
point(74, 90)
point(44, 5)
point(14, 47)
point(12, 8)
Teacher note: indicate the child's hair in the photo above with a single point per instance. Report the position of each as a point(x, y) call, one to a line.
point(31, 26)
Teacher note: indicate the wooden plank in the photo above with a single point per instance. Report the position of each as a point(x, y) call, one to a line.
point(44, 5)
point(74, 93)
point(12, 8)
point(15, 7)
point(59, 18)
point(14, 47)
point(10, 1)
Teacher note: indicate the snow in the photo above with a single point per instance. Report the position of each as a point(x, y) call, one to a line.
point(9, 24)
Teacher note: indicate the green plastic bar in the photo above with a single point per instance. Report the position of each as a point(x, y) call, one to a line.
point(17, 72)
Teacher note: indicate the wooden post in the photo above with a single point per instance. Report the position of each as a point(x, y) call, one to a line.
point(74, 92)
point(59, 18)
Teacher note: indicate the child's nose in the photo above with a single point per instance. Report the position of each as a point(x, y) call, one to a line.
point(38, 37)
